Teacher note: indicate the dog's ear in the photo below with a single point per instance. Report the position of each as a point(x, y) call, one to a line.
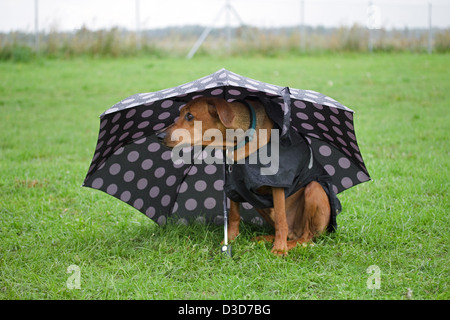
point(221, 109)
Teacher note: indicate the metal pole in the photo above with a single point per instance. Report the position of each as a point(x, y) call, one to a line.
point(228, 26)
point(138, 27)
point(204, 35)
point(430, 30)
point(229, 10)
point(36, 25)
point(248, 34)
point(225, 248)
point(302, 26)
point(369, 18)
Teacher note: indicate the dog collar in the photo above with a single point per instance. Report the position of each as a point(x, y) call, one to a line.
point(252, 128)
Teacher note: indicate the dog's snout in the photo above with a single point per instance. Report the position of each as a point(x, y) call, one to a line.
point(161, 135)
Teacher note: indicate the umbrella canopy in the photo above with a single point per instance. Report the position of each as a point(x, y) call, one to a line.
point(132, 165)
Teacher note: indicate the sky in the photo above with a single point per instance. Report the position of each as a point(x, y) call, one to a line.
point(64, 15)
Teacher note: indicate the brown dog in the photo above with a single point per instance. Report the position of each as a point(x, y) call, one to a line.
point(297, 217)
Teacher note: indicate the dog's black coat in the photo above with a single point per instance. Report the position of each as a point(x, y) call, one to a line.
point(296, 169)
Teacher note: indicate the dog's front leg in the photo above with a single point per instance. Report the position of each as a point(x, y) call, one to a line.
point(281, 226)
point(234, 220)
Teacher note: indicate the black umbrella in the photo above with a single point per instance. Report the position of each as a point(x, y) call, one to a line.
point(132, 165)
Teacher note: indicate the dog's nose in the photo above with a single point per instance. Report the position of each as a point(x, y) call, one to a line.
point(161, 135)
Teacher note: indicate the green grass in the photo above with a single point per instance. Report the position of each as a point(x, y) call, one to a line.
point(49, 123)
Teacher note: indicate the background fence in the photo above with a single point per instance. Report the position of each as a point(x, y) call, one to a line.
point(99, 27)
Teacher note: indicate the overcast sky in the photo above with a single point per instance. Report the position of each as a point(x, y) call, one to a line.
point(96, 14)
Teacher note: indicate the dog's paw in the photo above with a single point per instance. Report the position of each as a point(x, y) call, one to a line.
point(232, 235)
point(264, 238)
point(280, 249)
point(280, 252)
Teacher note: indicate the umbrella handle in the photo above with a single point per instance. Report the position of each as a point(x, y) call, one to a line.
point(225, 248)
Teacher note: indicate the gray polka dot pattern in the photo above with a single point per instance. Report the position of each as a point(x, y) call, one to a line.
point(130, 164)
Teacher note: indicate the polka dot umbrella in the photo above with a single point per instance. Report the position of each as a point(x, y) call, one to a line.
point(131, 164)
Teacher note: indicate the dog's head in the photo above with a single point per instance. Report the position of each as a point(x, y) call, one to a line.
point(202, 121)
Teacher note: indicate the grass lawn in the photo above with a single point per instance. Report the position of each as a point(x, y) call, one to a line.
point(399, 222)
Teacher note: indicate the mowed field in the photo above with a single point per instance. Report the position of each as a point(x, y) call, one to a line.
point(61, 241)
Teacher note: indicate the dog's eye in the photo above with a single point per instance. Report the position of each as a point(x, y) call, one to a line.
point(189, 116)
